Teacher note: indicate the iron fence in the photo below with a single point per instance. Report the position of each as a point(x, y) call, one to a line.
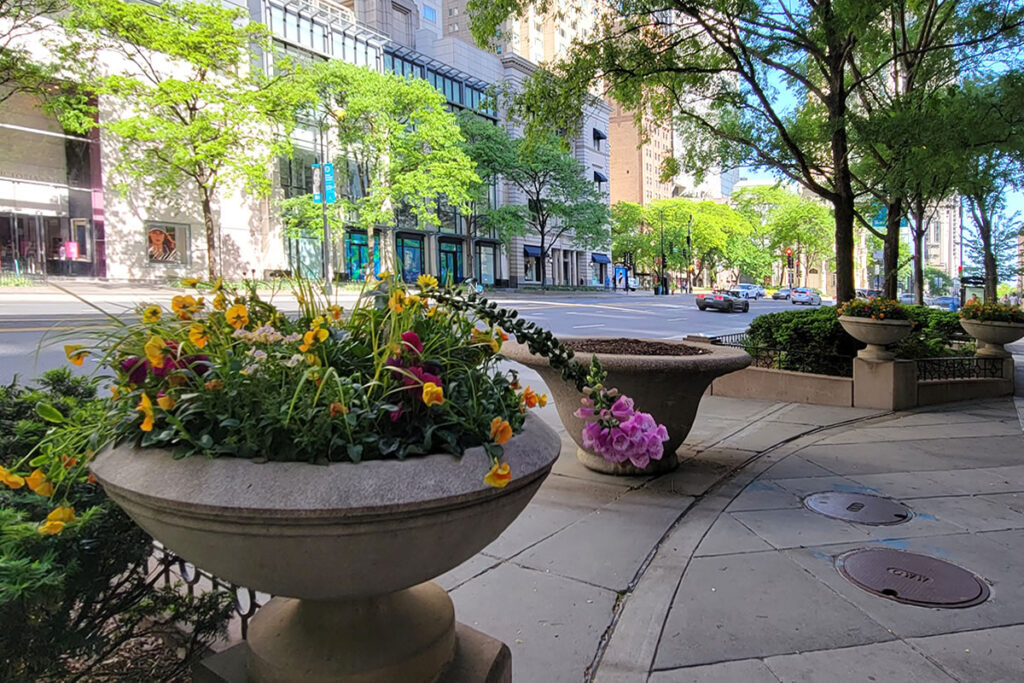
point(172, 569)
point(959, 367)
point(796, 360)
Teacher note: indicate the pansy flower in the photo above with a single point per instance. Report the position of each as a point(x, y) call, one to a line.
point(37, 482)
point(11, 479)
point(75, 353)
point(151, 314)
point(57, 520)
point(499, 476)
point(501, 431)
point(146, 408)
point(433, 395)
point(237, 316)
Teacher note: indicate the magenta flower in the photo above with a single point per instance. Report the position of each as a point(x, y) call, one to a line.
point(412, 340)
point(622, 409)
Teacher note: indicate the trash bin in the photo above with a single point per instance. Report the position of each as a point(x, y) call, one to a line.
point(657, 290)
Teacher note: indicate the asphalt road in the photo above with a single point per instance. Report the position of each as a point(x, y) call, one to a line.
point(32, 334)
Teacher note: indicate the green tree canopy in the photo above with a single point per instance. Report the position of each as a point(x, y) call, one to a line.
point(188, 108)
point(405, 148)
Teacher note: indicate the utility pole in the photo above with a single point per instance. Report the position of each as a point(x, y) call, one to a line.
point(662, 278)
point(689, 256)
point(323, 205)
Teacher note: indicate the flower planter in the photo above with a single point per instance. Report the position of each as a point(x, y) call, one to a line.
point(669, 387)
point(877, 334)
point(350, 545)
point(992, 335)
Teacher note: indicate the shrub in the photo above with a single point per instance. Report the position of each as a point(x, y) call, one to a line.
point(935, 333)
point(70, 600)
point(813, 340)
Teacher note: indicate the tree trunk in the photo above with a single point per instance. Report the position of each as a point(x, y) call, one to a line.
point(543, 261)
point(989, 258)
point(843, 207)
point(211, 235)
point(891, 249)
point(918, 232)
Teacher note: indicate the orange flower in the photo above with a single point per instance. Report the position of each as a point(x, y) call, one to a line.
point(146, 408)
point(37, 482)
point(237, 316)
point(432, 394)
point(220, 302)
point(501, 431)
point(11, 479)
point(499, 476)
point(335, 311)
point(74, 353)
point(151, 314)
point(166, 402)
point(542, 400)
point(214, 384)
point(396, 302)
point(337, 409)
point(529, 398)
point(187, 305)
point(501, 333)
point(57, 520)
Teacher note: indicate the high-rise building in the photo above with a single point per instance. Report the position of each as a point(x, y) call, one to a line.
point(636, 163)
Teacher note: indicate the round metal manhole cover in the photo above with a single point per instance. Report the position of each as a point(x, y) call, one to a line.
point(862, 508)
point(911, 578)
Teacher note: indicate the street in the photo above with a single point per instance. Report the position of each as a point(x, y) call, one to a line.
point(31, 324)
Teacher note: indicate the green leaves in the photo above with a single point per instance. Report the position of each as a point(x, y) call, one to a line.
point(49, 413)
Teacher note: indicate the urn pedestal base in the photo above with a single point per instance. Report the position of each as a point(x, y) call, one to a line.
point(479, 658)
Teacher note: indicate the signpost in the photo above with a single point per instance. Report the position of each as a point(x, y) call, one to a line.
point(324, 193)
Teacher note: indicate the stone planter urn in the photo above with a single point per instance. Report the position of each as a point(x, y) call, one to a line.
point(666, 379)
point(877, 334)
point(348, 548)
point(992, 335)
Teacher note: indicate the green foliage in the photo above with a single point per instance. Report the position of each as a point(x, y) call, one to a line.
point(816, 336)
point(77, 596)
point(991, 311)
point(939, 282)
point(193, 110)
point(302, 217)
point(875, 308)
point(933, 335)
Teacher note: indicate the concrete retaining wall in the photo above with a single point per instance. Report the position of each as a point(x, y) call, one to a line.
point(784, 385)
point(944, 391)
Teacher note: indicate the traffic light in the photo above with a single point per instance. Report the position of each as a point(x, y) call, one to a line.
point(789, 257)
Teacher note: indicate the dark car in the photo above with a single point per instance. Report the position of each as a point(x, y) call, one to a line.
point(724, 300)
point(781, 294)
point(869, 293)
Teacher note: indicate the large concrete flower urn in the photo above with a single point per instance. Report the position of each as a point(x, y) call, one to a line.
point(349, 548)
point(992, 335)
point(877, 334)
point(665, 379)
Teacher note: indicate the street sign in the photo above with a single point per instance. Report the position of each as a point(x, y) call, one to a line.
point(880, 219)
point(317, 184)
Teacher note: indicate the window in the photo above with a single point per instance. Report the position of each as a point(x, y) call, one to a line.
point(167, 243)
point(430, 14)
point(410, 257)
point(452, 11)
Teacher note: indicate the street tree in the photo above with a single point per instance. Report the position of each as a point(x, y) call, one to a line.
point(489, 146)
point(404, 149)
point(768, 83)
point(560, 199)
point(23, 22)
point(188, 108)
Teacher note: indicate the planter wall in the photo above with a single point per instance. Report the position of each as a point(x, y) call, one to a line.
point(669, 387)
point(783, 385)
point(351, 545)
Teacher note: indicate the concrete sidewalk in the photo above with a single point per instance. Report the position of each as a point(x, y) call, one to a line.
point(716, 572)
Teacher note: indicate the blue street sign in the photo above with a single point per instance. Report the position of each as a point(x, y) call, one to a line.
point(880, 219)
point(329, 191)
point(317, 197)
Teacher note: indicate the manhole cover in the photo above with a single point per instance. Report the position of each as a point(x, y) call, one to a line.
point(911, 578)
point(861, 508)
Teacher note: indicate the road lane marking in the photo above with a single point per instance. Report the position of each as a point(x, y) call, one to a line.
point(583, 327)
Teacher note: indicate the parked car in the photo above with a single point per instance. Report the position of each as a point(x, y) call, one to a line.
point(868, 293)
point(782, 294)
point(805, 295)
point(749, 291)
point(945, 303)
point(907, 298)
point(723, 300)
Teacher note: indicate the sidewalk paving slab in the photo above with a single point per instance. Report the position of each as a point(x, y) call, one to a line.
point(879, 662)
point(994, 655)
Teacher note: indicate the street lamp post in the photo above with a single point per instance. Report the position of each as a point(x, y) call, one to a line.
point(662, 280)
point(323, 205)
point(689, 256)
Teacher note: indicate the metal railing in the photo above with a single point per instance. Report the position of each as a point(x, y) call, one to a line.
point(795, 360)
point(959, 367)
point(173, 569)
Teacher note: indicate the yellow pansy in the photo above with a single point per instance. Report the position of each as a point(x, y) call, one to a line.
point(11, 479)
point(237, 316)
point(426, 281)
point(499, 475)
point(146, 408)
point(151, 314)
point(542, 400)
point(197, 335)
point(501, 431)
point(166, 402)
point(335, 311)
point(432, 394)
point(185, 306)
point(220, 302)
point(38, 483)
point(57, 520)
point(190, 282)
point(75, 353)
point(154, 349)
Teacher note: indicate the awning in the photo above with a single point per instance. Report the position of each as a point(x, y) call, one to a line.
point(600, 258)
point(600, 177)
point(531, 251)
point(599, 135)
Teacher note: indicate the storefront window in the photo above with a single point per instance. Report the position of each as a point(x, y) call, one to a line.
point(410, 257)
point(450, 262)
point(485, 260)
point(357, 254)
point(167, 243)
point(531, 271)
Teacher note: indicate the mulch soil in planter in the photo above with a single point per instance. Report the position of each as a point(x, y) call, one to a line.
point(631, 347)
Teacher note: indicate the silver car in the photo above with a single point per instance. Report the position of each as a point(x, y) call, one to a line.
point(805, 295)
